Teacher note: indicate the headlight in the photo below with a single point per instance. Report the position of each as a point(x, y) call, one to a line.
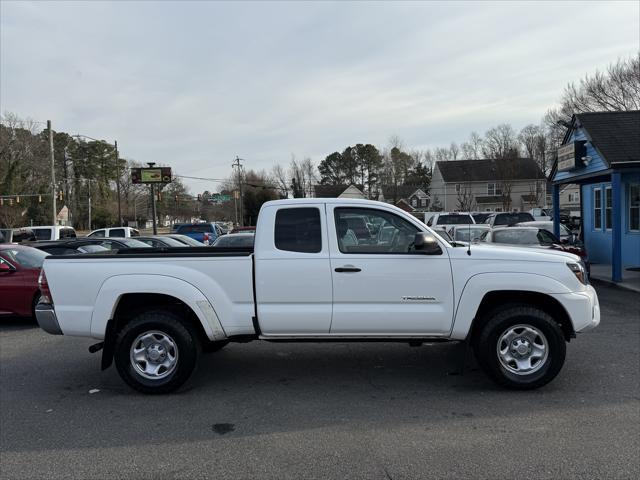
point(579, 271)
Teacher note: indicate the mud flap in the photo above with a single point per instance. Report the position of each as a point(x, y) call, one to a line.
point(109, 346)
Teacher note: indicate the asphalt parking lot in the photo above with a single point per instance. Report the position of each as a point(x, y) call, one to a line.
point(372, 410)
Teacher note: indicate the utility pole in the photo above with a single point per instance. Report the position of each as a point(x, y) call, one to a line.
point(153, 203)
point(89, 184)
point(238, 165)
point(118, 182)
point(53, 174)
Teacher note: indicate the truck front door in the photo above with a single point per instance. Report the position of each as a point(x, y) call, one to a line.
point(381, 286)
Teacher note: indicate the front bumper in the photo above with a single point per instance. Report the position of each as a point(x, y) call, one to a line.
point(583, 308)
point(46, 316)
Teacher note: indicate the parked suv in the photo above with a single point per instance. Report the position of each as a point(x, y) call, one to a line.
point(115, 232)
point(507, 219)
point(53, 232)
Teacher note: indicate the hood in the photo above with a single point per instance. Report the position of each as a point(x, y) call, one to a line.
point(484, 251)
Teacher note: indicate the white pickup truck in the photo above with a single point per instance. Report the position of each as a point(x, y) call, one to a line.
point(310, 277)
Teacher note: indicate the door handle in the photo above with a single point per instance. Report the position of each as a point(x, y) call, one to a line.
point(348, 269)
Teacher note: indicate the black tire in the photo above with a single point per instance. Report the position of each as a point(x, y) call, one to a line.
point(34, 302)
point(186, 349)
point(501, 321)
point(211, 347)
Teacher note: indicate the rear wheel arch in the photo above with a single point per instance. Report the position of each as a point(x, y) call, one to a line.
point(496, 301)
point(131, 305)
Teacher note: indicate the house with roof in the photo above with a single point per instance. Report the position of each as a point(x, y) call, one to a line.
point(338, 191)
point(600, 152)
point(418, 200)
point(488, 185)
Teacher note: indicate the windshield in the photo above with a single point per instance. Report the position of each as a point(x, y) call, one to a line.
point(516, 237)
point(25, 257)
point(513, 218)
point(187, 240)
point(462, 234)
point(92, 249)
point(454, 220)
point(171, 242)
point(131, 243)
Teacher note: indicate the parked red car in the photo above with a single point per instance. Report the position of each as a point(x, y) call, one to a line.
point(19, 270)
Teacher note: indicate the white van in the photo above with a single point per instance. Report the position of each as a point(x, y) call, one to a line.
point(53, 232)
point(115, 232)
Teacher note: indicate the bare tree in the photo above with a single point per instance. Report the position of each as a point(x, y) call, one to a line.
point(616, 89)
point(454, 150)
point(280, 179)
point(442, 154)
point(475, 140)
point(500, 142)
point(465, 198)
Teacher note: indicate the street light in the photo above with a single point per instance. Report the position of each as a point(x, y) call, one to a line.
point(115, 145)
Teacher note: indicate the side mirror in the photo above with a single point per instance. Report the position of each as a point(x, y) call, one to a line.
point(426, 243)
point(6, 268)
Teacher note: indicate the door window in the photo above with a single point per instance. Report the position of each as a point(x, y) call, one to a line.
point(43, 233)
point(394, 234)
point(97, 233)
point(634, 206)
point(607, 208)
point(298, 230)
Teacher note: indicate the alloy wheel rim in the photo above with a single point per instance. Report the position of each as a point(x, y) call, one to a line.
point(154, 355)
point(522, 349)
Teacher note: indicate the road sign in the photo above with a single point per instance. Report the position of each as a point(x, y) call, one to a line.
point(151, 175)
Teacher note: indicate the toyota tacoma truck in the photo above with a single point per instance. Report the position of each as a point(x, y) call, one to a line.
point(310, 278)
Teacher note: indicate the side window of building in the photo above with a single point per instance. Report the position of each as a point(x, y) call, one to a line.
point(597, 209)
point(298, 230)
point(394, 235)
point(607, 208)
point(634, 206)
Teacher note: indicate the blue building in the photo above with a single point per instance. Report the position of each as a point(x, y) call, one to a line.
point(601, 153)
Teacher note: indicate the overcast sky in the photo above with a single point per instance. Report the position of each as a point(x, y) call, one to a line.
point(193, 84)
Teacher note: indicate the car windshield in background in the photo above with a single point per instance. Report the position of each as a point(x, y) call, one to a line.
point(235, 240)
point(454, 220)
point(480, 217)
point(186, 240)
point(513, 218)
point(25, 257)
point(516, 236)
point(131, 243)
point(92, 249)
point(463, 234)
point(171, 242)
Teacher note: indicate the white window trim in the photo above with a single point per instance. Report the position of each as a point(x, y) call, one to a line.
point(605, 208)
point(597, 193)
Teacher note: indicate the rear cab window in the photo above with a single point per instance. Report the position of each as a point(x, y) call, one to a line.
point(117, 232)
point(298, 230)
point(455, 220)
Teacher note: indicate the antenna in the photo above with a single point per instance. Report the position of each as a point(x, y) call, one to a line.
point(469, 230)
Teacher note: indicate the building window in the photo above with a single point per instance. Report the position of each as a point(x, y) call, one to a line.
point(597, 209)
point(457, 188)
point(634, 206)
point(414, 202)
point(423, 202)
point(493, 189)
point(574, 197)
point(607, 208)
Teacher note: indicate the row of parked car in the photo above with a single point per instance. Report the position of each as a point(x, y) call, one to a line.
point(23, 250)
point(506, 228)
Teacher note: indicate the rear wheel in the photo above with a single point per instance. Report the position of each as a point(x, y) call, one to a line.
point(520, 347)
point(155, 352)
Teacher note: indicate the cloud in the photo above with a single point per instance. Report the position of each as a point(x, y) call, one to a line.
point(192, 84)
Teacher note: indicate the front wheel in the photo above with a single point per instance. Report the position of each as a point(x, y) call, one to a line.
point(156, 353)
point(520, 347)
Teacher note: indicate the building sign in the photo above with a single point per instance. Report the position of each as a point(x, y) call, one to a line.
point(570, 155)
point(151, 175)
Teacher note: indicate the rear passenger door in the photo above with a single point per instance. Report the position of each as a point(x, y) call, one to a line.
point(292, 275)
